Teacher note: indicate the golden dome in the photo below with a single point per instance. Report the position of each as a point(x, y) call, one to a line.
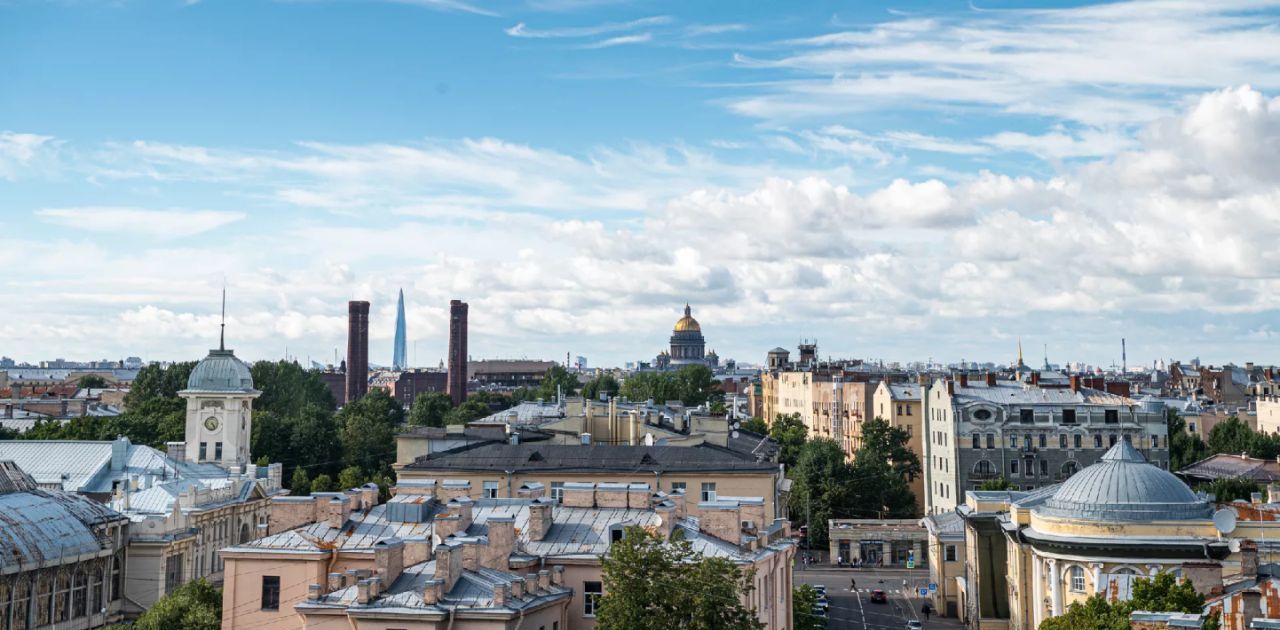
point(688, 323)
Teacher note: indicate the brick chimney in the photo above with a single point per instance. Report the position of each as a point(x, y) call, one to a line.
point(1248, 558)
point(1075, 382)
point(579, 494)
point(678, 499)
point(337, 581)
point(448, 565)
point(667, 514)
point(722, 520)
point(540, 519)
point(369, 496)
point(313, 592)
point(531, 490)
point(456, 519)
point(363, 589)
point(638, 496)
point(991, 379)
point(964, 379)
point(388, 559)
point(557, 575)
point(517, 589)
point(431, 592)
point(502, 541)
point(336, 514)
point(1035, 379)
point(951, 387)
point(544, 581)
point(501, 593)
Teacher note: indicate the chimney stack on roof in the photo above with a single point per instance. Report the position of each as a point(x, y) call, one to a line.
point(1075, 382)
point(964, 379)
point(991, 379)
point(1035, 379)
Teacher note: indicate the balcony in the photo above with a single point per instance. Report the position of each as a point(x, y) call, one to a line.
point(983, 476)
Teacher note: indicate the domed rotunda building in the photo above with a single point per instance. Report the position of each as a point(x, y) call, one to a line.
point(1030, 555)
point(688, 347)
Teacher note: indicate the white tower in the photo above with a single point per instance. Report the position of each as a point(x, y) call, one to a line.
point(219, 397)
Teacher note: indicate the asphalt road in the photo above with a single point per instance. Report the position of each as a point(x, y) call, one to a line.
point(854, 609)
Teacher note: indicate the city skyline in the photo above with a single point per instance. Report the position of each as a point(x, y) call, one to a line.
point(915, 182)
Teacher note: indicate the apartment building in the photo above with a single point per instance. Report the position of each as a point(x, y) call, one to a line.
point(901, 405)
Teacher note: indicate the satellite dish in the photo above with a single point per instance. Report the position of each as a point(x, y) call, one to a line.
point(1234, 545)
point(737, 425)
point(648, 439)
point(1224, 521)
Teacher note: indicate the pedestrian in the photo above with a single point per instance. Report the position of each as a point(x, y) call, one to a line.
point(853, 584)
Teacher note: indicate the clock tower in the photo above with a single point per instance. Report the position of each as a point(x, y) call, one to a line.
point(219, 397)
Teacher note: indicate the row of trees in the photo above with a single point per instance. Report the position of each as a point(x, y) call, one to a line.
point(691, 385)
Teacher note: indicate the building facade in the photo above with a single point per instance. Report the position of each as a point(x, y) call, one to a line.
point(1031, 435)
point(901, 405)
point(833, 404)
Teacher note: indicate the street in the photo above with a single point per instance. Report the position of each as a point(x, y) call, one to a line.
point(854, 610)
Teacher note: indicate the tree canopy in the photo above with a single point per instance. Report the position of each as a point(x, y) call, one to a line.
point(91, 381)
point(1234, 436)
point(1162, 593)
point(367, 431)
point(789, 432)
point(654, 584)
point(804, 599)
point(1184, 448)
point(429, 409)
point(602, 384)
point(1229, 489)
point(196, 605)
point(557, 381)
point(998, 483)
point(692, 385)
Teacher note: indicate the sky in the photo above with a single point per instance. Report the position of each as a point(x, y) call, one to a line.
point(905, 181)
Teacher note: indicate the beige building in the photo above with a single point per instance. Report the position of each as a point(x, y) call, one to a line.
point(901, 405)
point(831, 404)
point(706, 473)
point(432, 557)
point(946, 561)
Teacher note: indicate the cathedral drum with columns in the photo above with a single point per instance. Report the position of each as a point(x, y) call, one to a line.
point(687, 345)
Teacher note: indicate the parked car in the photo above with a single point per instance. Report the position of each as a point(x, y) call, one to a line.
point(823, 602)
point(821, 588)
point(915, 625)
point(879, 597)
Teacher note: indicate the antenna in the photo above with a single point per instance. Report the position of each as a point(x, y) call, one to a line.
point(1124, 358)
point(222, 334)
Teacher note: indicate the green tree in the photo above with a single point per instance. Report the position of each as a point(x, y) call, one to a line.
point(91, 381)
point(823, 487)
point(367, 429)
point(300, 483)
point(1184, 448)
point(350, 477)
point(286, 387)
point(789, 432)
point(154, 381)
point(696, 384)
point(429, 409)
point(322, 483)
point(891, 444)
point(756, 425)
point(656, 386)
point(1229, 489)
point(1231, 436)
point(558, 381)
point(602, 384)
point(470, 410)
point(1096, 613)
point(655, 584)
point(311, 442)
point(804, 600)
point(998, 483)
point(196, 605)
point(1162, 593)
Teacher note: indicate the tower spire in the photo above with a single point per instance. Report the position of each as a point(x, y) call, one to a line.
point(222, 333)
point(1019, 350)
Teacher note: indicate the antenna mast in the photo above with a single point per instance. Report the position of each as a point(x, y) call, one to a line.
point(222, 334)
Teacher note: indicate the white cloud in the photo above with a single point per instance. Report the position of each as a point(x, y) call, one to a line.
point(154, 223)
point(522, 30)
point(21, 151)
point(621, 40)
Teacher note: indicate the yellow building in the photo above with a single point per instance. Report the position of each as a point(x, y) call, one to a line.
point(1030, 555)
point(831, 404)
point(899, 404)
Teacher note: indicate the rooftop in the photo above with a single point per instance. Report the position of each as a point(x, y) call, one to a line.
point(1123, 487)
point(37, 525)
point(1006, 393)
point(589, 458)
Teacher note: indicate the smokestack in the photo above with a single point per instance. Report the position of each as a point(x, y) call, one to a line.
point(457, 384)
point(1075, 382)
point(357, 350)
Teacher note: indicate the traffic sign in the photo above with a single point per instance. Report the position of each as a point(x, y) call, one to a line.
point(924, 592)
point(933, 586)
point(911, 564)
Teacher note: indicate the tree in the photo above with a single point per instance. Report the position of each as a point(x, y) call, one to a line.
point(429, 409)
point(322, 483)
point(1184, 448)
point(470, 410)
point(154, 381)
point(999, 483)
point(1162, 593)
point(368, 431)
point(1229, 489)
point(286, 387)
point(804, 600)
point(350, 477)
point(91, 381)
point(300, 483)
point(756, 425)
point(656, 386)
point(1095, 613)
point(603, 384)
point(558, 381)
point(789, 432)
point(891, 444)
point(196, 605)
point(655, 584)
point(823, 488)
point(696, 384)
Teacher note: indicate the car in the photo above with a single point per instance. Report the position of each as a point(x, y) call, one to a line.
point(822, 602)
point(821, 588)
point(820, 612)
point(879, 597)
point(915, 625)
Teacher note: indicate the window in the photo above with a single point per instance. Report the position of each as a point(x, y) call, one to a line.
point(984, 468)
point(217, 451)
point(490, 490)
point(1111, 440)
point(991, 440)
point(1062, 440)
point(1026, 442)
point(708, 492)
point(557, 491)
point(591, 593)
point(1044, 468)
point(949, 553)
point(1078, 439)
point(679, 486)
point(1013, 466)
point(900, 409)
point(908, 413)
point(204, 451)
point(1068, 416)
point(1191, 426)
point(977, 440)
point(1097, 440)
point(1013, 440)
point(982, 414)
point(271, 592)
point(1026, 416)
point(1069, 469)
point(1044, 440)
point(1077, 579)
point(1111, 416)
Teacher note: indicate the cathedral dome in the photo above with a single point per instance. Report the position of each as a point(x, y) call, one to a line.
point(221, 371)
point(1123, 487)
point(687, 323)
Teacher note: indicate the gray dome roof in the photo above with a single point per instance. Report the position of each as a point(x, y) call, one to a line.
point(221, 371)
point(1123, 487)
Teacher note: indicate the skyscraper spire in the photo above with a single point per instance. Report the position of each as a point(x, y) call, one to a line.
point(399, 358)
point(222, 334)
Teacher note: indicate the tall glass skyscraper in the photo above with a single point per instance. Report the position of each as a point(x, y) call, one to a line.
point(400, 360)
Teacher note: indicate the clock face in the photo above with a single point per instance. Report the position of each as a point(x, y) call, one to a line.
point(211, 423)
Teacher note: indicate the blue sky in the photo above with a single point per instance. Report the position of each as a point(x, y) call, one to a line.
point(902, 181)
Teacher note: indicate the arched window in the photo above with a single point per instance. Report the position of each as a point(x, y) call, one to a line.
point(1069, 468)
point(1077, 579)
point(44, 601)
point(117, 574)
point(21, 600)
point(62, 597)
point(244, 533)
point(96, 584)
point(79, 594)
point(984, 467)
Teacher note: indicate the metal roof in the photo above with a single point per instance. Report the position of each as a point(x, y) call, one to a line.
point(1123, 487)
point(1007, 393)
point(37, 526)
point(86, 466)
point(594, 457)
point(1230, 466)
point(221, 371)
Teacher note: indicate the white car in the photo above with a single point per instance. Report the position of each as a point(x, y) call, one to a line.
point(915, 625)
